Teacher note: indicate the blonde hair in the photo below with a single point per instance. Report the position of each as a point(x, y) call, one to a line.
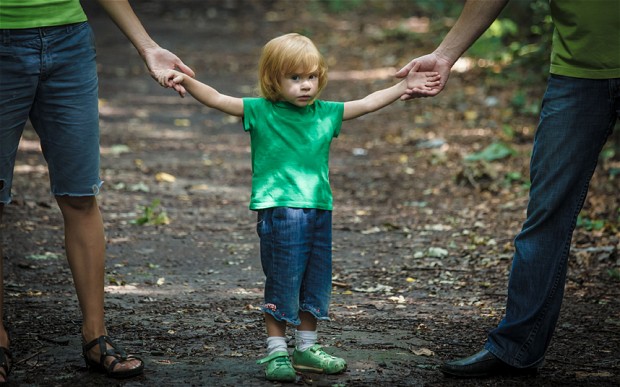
point(285, 55)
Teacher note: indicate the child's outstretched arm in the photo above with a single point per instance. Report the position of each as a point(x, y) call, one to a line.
point(203, 93)
point(382, 98)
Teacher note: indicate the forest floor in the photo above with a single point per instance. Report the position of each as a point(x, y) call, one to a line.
point(422, 239)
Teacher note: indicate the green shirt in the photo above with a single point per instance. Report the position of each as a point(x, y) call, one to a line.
point(16, 14)
point(290, 152)
point(586, 39)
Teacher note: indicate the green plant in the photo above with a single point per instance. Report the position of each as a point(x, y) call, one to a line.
point(495, 151)
point(151, 215)
point(590, 224)
point(336, 6)
point(513, 177)
point(614, 273)
point(520, 41)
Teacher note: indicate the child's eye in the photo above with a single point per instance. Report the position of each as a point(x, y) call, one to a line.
point(295, 77)
point(313, 76)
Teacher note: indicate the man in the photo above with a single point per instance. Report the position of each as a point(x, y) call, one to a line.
point(579, 110)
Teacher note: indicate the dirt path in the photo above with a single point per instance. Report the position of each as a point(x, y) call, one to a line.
point(420, 261)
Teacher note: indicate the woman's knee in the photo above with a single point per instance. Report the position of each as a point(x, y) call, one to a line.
point(77, 203)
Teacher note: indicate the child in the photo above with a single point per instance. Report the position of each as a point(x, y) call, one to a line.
point(291, 132)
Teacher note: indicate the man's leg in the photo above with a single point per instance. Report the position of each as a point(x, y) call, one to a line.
point(575, 122)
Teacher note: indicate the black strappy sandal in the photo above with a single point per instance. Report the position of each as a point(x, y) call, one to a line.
point(6, 361)
point(116, 352)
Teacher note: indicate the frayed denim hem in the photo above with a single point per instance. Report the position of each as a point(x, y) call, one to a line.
point(96, 189)
point(271, 309)
point(295, 321)
point(315, 312)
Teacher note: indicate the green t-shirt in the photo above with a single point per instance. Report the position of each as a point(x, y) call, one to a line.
point(290, 152)
point(586, 39)
point(16, 14)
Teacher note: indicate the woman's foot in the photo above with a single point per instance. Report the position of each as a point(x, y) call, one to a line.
point(102, 355)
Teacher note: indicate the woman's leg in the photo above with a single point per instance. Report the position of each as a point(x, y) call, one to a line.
point(85, 247)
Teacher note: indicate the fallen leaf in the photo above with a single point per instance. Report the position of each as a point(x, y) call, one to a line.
point(423, 352)
point(44, 256)
point(437, 252)
point(165, 177)
point(183, 122)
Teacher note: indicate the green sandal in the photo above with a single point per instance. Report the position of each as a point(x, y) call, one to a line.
point(114, 351)
point(279, 367)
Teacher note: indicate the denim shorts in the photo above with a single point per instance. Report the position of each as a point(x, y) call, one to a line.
point(49, 75)
point(296, 255)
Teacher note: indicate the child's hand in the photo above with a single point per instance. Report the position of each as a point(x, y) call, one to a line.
point(159, 60)
point(427, 80)
point(429, 62)
point(172, 79)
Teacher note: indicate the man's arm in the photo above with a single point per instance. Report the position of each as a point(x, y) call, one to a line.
point(155, 57)
point(475, 18)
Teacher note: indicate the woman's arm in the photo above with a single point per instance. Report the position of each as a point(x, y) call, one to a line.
point(155, 57)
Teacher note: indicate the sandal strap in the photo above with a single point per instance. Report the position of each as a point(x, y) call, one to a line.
point(108, 349)
point(113, 350)
point(5, 356)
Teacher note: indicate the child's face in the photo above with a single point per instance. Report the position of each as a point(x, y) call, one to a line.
point(299, 88)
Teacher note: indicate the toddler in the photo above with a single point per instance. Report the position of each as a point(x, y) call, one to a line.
point(290, 133)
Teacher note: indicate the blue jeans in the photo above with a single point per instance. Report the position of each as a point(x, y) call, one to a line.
point(577, 117)
point(296, 255)
point(50, 76)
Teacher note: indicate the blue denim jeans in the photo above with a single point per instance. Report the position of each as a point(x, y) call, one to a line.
point(50, 76)
point(296, 255)
point(577, 117)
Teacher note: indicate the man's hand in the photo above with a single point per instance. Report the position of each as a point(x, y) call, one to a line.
point(429, 62)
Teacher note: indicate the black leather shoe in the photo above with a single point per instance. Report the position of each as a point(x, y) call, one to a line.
point(482, 364)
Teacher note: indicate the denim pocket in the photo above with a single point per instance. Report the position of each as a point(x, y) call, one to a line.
point(260, 223)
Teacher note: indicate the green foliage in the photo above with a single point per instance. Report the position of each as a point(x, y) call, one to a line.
point(524, 105)
point(439, 8)
point(432, 8)
point(151, 215)
point(508, 132)
point(590, 224)
point(491, 45)
point(519, 39)
point(336, 6)
point(608, 153)
point(513, 177)
point(495, 151)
